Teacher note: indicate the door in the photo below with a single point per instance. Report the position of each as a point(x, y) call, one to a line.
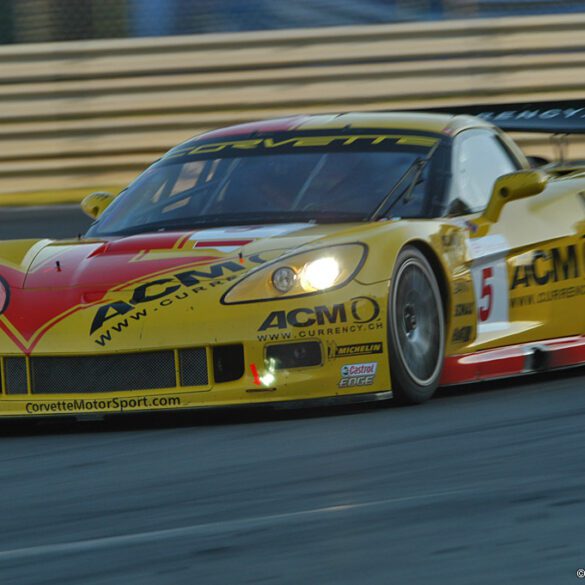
point(523, 266)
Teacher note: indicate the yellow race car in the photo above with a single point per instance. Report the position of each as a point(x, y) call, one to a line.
point(326, 257)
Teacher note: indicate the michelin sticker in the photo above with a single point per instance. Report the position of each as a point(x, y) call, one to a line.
point(358, 375)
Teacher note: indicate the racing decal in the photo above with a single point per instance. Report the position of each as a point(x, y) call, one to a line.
point(356, 315)
point(285, 142)
point(83, 405)
point(231, 238)
point(358, 375)
point(490, 281)
point(560, 116)
point(544, 266)
point(4, 295)
point(463, 309)
point(547, 115)
point(534, 275)
point(161, 288)
point(145, 247)
point(460, 287)
point(55, 285)
point(343, 351)
point(117, 316)
point(462, 334)
point(72, 280)
point(491, 291)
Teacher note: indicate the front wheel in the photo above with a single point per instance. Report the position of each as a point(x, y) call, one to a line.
point(416, 328)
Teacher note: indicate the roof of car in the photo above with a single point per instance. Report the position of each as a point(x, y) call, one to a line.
point(422, 122)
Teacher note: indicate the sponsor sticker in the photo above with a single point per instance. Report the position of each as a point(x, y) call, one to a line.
point(462, 334)
point(339, 351)
point(463, 309)
point(356, 315)
point(116, 404)
point(358, 375)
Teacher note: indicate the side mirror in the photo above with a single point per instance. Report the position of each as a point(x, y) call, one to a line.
point(512, 187)
point(96, 203)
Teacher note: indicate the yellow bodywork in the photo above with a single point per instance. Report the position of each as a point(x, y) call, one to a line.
point(520, 279)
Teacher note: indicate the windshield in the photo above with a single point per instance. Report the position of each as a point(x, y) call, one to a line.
point(234, 187)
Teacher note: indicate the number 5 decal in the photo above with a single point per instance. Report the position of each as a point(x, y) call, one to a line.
point(487, 294)
point(490, 283)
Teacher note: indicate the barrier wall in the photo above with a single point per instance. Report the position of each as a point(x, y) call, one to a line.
point(80, 116)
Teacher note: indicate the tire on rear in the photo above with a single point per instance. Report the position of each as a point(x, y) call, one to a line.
point(416, 328)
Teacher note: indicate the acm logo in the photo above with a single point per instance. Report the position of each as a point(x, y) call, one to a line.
point(546, 266)
point(357, 310)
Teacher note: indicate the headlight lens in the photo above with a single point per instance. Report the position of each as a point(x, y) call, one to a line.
point(299, 274)
point(320, 274)
point(284, 279)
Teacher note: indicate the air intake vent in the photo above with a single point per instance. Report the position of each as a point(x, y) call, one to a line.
point(103, 373)
point(295, 355)
point(228, 362)
point(193, 364)
point(15, 372)
point(151, 370)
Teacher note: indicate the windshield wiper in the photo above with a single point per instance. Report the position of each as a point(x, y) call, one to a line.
point(390, 200)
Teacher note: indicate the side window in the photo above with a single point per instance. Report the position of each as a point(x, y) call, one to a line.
point(479, 158)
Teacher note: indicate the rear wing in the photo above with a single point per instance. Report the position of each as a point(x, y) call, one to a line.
point(553, 117)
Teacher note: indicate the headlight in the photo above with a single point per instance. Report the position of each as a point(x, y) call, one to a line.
point(299, 274)
point(320, 274)
point(284, 279)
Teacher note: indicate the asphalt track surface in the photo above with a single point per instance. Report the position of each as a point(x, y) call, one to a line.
point(485, 484)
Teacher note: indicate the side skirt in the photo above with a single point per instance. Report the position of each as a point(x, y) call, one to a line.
point(513, 360)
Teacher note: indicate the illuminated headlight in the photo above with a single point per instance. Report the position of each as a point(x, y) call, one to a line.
point(320, 274)
point(284, 279)
point(299, 274)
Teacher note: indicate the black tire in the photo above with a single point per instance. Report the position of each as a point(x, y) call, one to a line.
point(416, 328)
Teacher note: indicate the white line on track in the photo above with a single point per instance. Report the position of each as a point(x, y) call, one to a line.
point(206, 529)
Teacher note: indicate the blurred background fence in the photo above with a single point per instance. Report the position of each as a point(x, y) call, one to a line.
point(79, 115)
point(61, 20)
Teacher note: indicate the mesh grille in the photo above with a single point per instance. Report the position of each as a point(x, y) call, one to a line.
point(15, 372)
point(103, 373)
point(193, 364)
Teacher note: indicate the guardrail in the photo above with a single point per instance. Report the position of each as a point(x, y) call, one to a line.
point(80, 116)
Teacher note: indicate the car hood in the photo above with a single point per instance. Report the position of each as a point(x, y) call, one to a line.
point(95, 264)
point(44, 282)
